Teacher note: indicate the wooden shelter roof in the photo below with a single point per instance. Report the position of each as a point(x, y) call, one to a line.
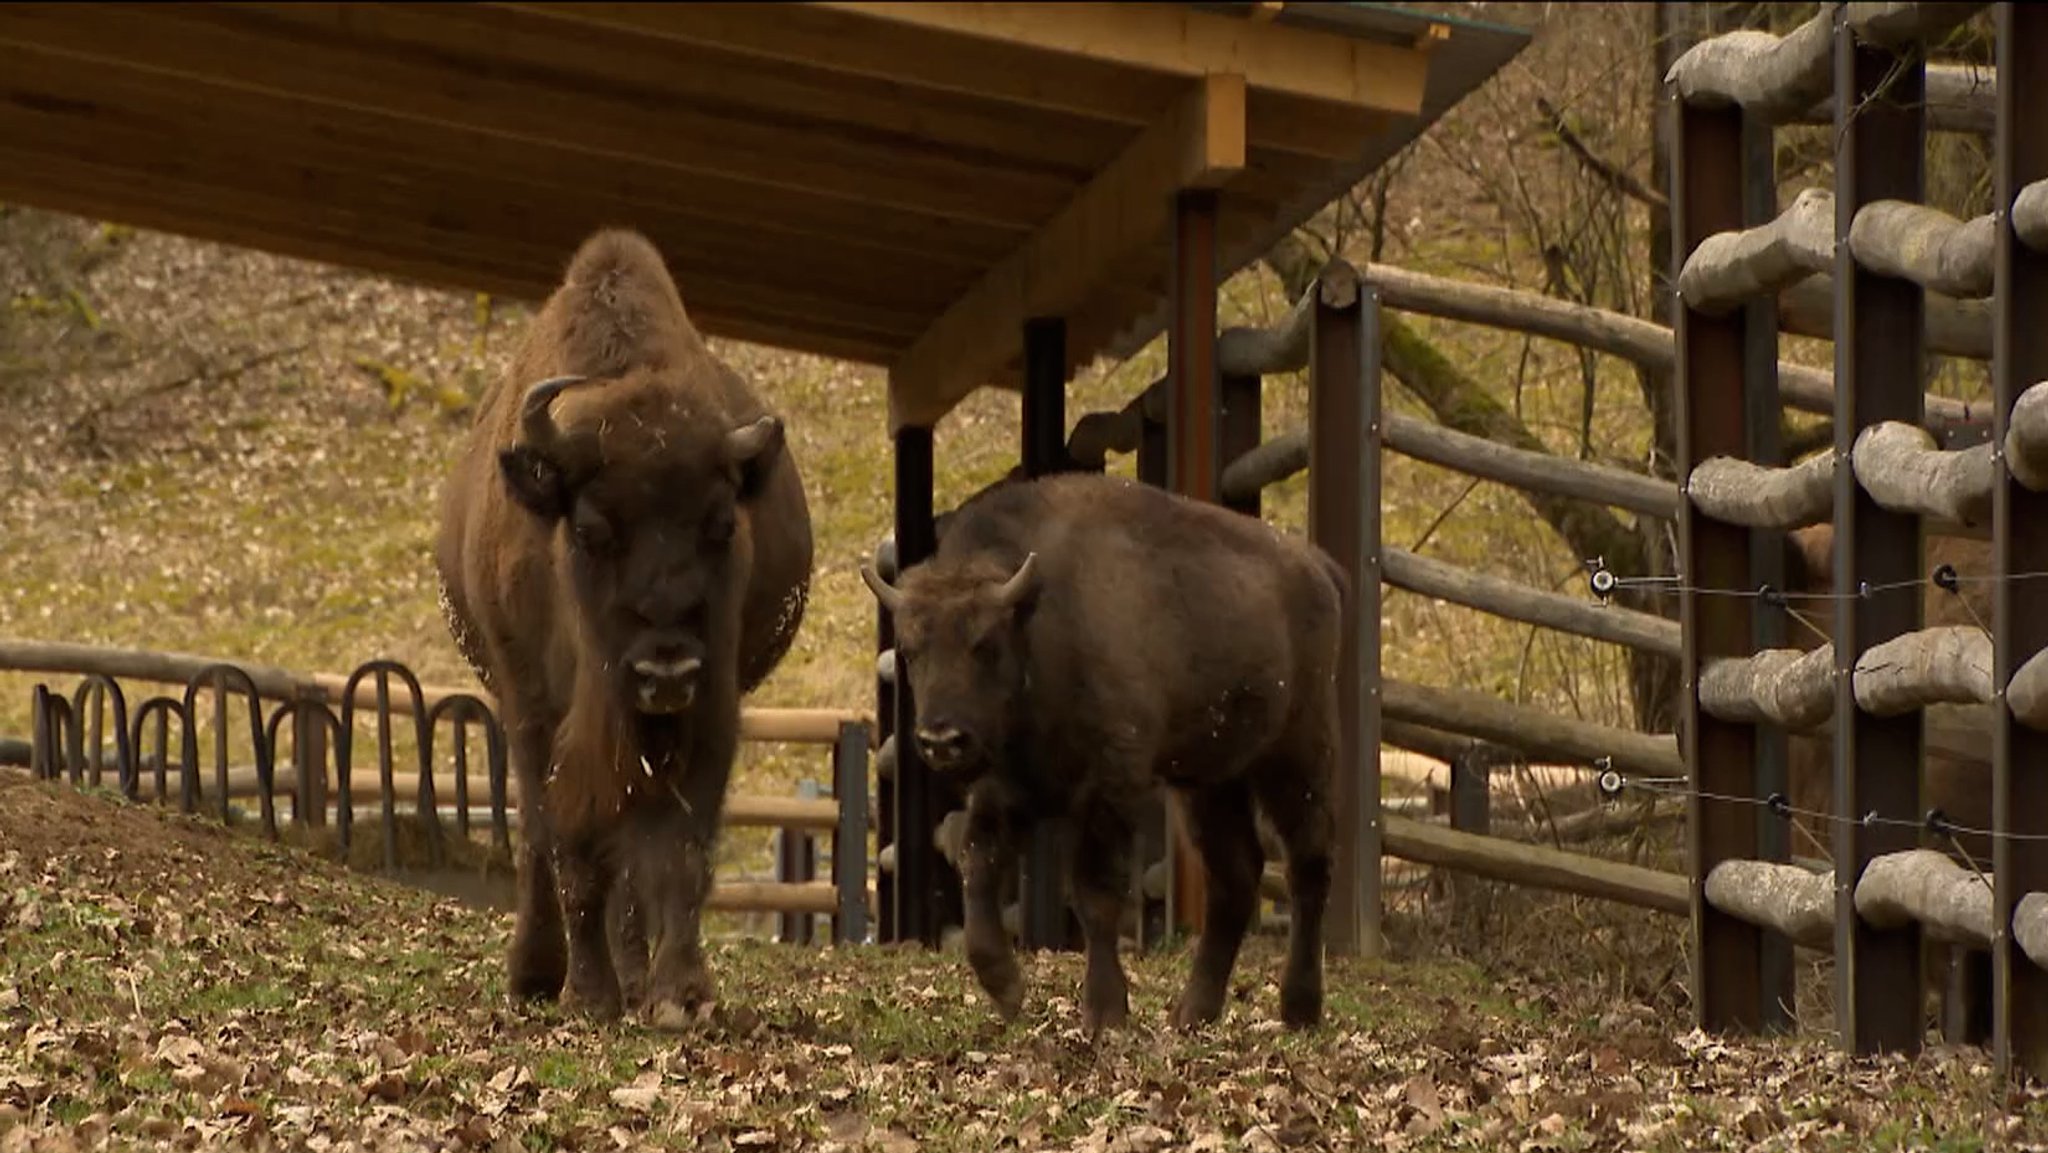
point(894, 183)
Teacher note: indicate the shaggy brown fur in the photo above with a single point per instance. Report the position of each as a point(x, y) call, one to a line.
point(621, 562)
point(1149, 640)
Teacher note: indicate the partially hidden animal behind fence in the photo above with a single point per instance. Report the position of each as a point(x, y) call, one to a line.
point(625, 550)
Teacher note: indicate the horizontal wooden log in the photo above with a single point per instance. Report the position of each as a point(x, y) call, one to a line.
point(1515, 601)
point(820, 897)
point(1779, 78)
point(365, 784)
point(1267, 350)
point(1757, 496)
point(1729, 269)
point(795, 726)
point(2030, 927)
point(2030, 215)
point(1534, 731)
point(1444, 746)
point(1781, 686)
point(2027, 693)
point(1535, 866)
point(1924, 887)
point(1638, 341)
point(2026, 438)
point(1904, 471)
point(1948, 664)
point(1543, 472)
point(1425, 440)
point(1926, 246)
point(1960, 98)
point(1953, 327)
point(1785, 899)
point(1945, 665)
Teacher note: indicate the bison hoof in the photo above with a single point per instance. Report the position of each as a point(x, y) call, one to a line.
point(1004, 984)
point(1301, 1006)
point(678, 1016)
point(1095, 1019)
point(536, 973)
point(681, 1005)
point(597, 1004)
point(1194, 1011)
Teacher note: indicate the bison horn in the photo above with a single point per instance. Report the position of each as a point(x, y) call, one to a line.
point(748, 440)
point(890, 597)
point(1021, 584)
point(538, 426)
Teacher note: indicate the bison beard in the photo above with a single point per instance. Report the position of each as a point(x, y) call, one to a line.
point(1078, 641)
point(625, 551)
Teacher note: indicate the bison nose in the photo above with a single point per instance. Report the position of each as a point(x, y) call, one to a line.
point(667, 684)
point(941, 745)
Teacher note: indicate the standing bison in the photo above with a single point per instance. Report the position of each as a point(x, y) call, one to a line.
point(625, 551)
point(1077, 641)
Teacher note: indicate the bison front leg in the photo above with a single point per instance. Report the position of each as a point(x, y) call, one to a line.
point(589, 885)
point(1222, 820)
point(990, 854)
point(538, 960)
point(628, 929)
point(1099, 874)
point(678, 857)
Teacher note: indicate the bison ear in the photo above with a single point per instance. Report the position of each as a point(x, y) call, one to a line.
point(753, 449)
point(536, 481)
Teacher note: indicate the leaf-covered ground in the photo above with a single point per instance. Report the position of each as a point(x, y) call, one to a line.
point(166, 982)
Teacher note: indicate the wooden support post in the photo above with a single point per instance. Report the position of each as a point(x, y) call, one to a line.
point(796, 861)
point(1192, 428)
point(850, 838)
point(1763, 415)
point(2020, 545)
point(921, 897)
point(1155, 829)
point(1707, 187)
point(885, 786)
point(309, 758)
point(1880, 142)
point(1048, 923)
point(1344, 518)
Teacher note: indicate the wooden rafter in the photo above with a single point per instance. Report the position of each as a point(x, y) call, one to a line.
point(1180, 41)
point(1199, 144)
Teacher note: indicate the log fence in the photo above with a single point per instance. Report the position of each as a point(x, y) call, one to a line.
point(1896, 276)
point(317, 770)
point(1905, 281)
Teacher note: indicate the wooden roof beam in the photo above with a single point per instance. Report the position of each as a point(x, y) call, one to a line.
point(1181, 41)
point(1199, 144)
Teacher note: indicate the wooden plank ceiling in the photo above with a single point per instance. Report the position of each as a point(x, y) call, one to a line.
point(890, 183)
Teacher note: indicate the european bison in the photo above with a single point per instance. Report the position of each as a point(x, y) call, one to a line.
point(625, 551)
point(1078, 640)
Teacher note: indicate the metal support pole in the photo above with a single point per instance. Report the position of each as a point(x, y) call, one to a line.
point(1880, 140)
point(1344, 518)
point(1707, 183)
point(796, 861)
point(2019, 771)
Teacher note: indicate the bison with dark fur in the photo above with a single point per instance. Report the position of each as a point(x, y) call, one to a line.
point(1078, 641)
point(625, 551)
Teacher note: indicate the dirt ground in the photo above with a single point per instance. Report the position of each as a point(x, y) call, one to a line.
point(166, 982)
